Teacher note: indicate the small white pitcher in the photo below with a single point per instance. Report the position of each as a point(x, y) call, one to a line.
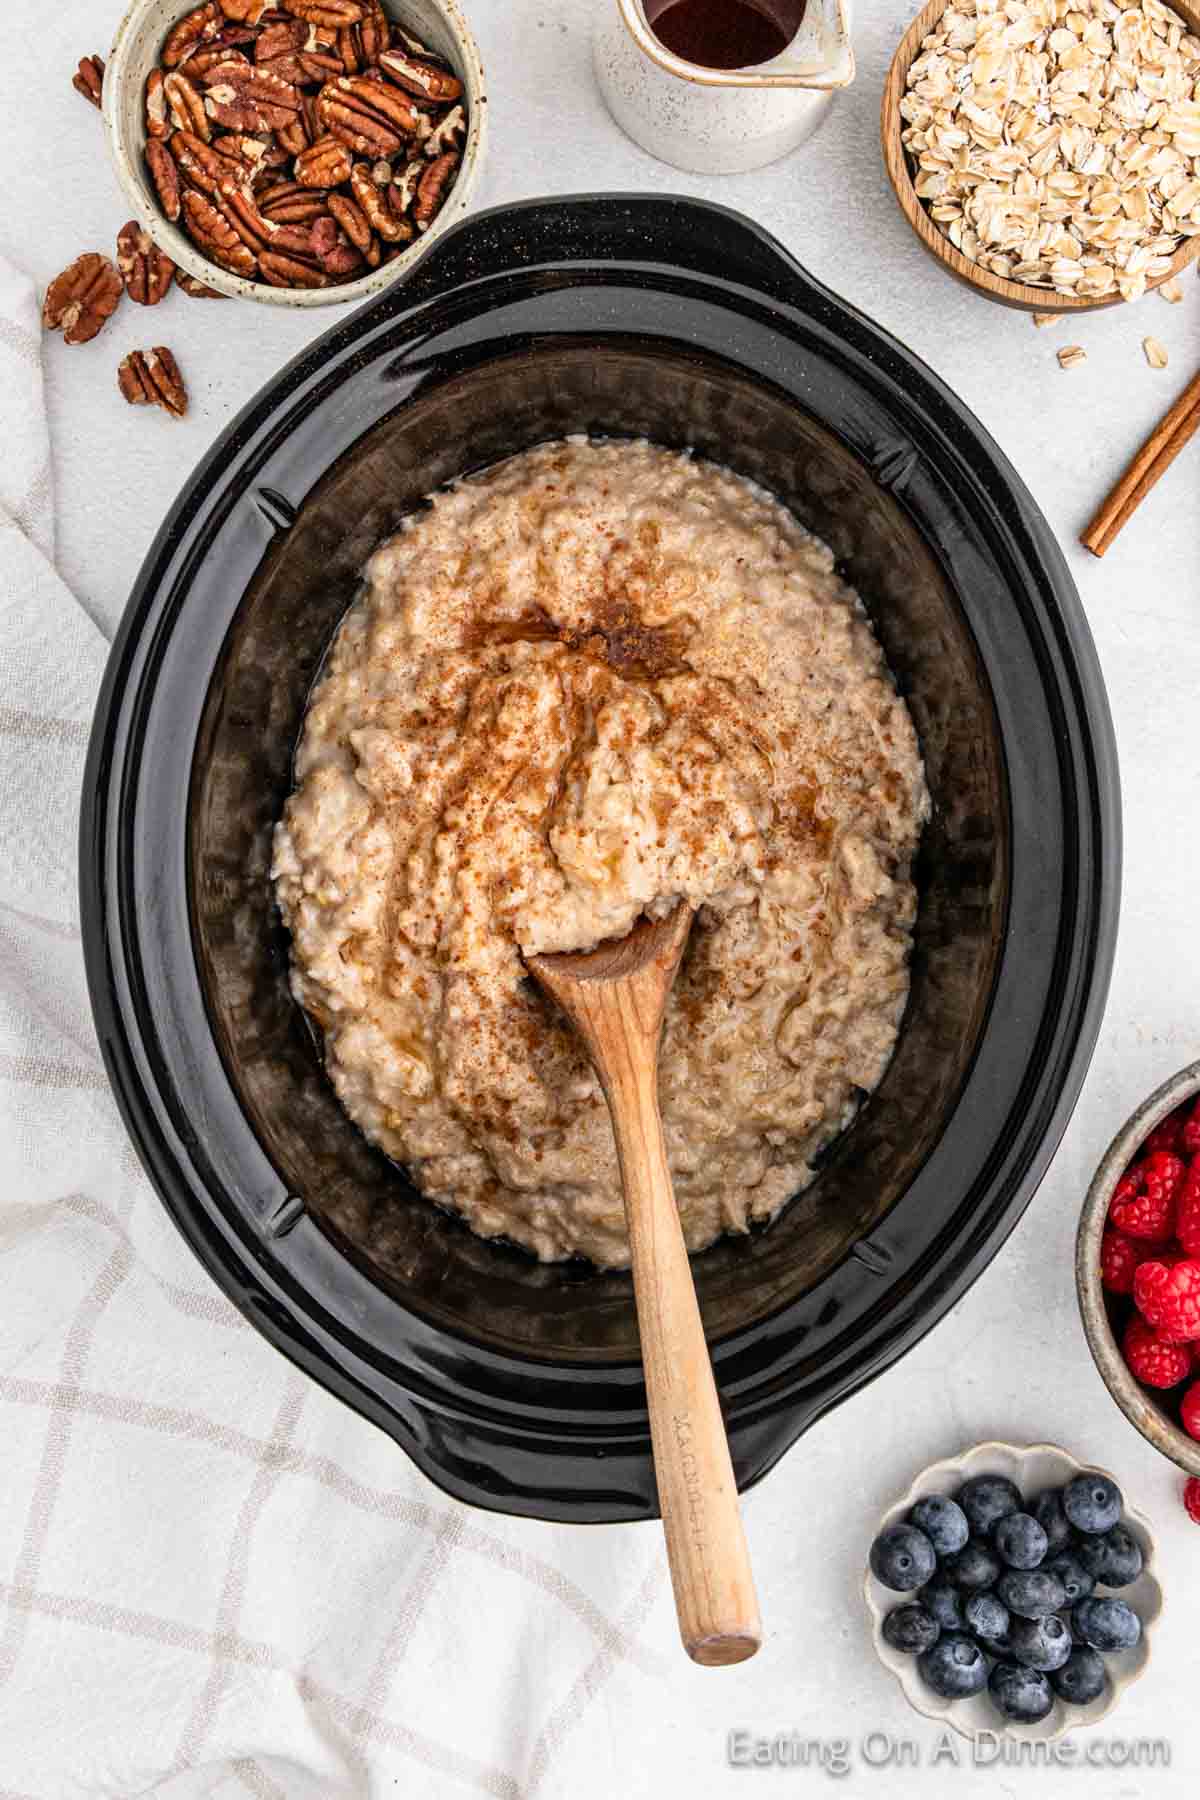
point(720, 121)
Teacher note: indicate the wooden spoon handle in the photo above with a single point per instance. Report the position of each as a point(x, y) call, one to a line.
point(697, 1495)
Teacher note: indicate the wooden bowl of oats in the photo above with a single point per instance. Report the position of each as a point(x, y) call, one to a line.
point(1048, 155)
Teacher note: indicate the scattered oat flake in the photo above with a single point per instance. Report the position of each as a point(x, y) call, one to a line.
point(1041, 320)
point(1171, 291)
point(1070, 354)
point(1156, 353)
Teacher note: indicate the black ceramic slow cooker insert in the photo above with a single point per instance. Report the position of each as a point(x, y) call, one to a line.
point(515, 1385)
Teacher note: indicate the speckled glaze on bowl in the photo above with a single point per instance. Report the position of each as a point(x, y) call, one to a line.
point(1138, 1404)
point(438, 23)
point(1033, 1467)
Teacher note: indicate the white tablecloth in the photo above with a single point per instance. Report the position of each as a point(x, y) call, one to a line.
point(214, 1579)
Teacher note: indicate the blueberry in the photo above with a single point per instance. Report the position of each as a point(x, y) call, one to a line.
point(976, 1565)
point(902, 1558)
point(1031, 1593)
point(1081, 1678)
point(911, 1629)
point(986, 1498)
point(1092, 1502)
point(1114, 1559)
point(954, 1668)
point(1073, 1572)
point(1020, 1540)
point(1106, 1624)
point(987, 1616)
point(942, 1599)
point(1020, 1693)
point(1041, 1643)
point(943, 1522)
point(1047, 1509)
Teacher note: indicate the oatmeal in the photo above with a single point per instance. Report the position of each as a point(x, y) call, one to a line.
point(590, 681)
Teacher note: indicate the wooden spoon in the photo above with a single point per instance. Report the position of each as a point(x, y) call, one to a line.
point(615, 997)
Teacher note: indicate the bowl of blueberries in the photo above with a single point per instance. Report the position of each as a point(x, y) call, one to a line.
point(1012, 1590)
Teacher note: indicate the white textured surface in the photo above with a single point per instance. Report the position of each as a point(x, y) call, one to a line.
point(1010, 1362)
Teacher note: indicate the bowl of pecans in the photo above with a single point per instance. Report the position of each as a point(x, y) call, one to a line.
point(296, 153)
point(1047, 152)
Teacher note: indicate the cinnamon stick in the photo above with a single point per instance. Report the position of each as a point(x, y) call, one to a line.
point(1148, 466)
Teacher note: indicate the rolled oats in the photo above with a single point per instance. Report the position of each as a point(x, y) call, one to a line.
point(1070, 354)
point(1057, 142)
point(1155, 353)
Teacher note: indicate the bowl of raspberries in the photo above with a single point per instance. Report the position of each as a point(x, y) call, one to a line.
point(1011, 1590)
point(1137, 1268)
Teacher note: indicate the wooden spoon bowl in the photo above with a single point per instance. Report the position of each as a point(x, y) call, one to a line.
point(973, 274)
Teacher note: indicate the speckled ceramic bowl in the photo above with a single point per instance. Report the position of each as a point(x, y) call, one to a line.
point(1141, 1407)
point(1033, 1467)
point(438, 23)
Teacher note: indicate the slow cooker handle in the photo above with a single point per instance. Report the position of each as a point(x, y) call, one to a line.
point(659, 231)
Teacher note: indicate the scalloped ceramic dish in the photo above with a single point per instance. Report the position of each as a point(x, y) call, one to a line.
point(1033, 1467)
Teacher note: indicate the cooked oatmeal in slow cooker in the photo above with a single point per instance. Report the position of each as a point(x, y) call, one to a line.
point(597, 678)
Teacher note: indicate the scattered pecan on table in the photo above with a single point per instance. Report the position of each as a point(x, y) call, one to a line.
point(146, 270)
point(82, 300)
point(89, 78)
point(303, 142)
point(152, 378)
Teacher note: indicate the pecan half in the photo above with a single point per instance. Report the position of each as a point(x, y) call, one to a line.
point(215, 236)
point(82, 300)
point(288, 271)
point(424, 79)
point(404, 187)
point(447, 134)
point(373, 201)
point(360, 46)
point(198, 162)
point(164, 173)
point(373, 119)
point(245, 153)
point(325, 164)
point(433, 187)
point(332, 249)
point(198, 290)
point(245, 12)
point(375, 32)
point(300, 67)
point(146, 270)
point(152, 378)
point(88, 78)
point(185, 105)
point(245, 98)
point(200, 62)
point(295, 138)
point(353, 221)
point(287, 203)
point(334, 15)
point(194, 29)
point(157, 123)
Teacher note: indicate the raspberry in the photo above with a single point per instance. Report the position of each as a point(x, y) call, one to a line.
point(1168, 1297)
point(1167, 1135)
point(1189, 1137)
point(1144, 1203)
point(1187, 1218)
point(1119, 1258)
point(1189, 1410)
point(1155, 1362)
point(1191, 1498)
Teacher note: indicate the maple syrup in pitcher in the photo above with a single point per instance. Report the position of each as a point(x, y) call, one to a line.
point(725, 34)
